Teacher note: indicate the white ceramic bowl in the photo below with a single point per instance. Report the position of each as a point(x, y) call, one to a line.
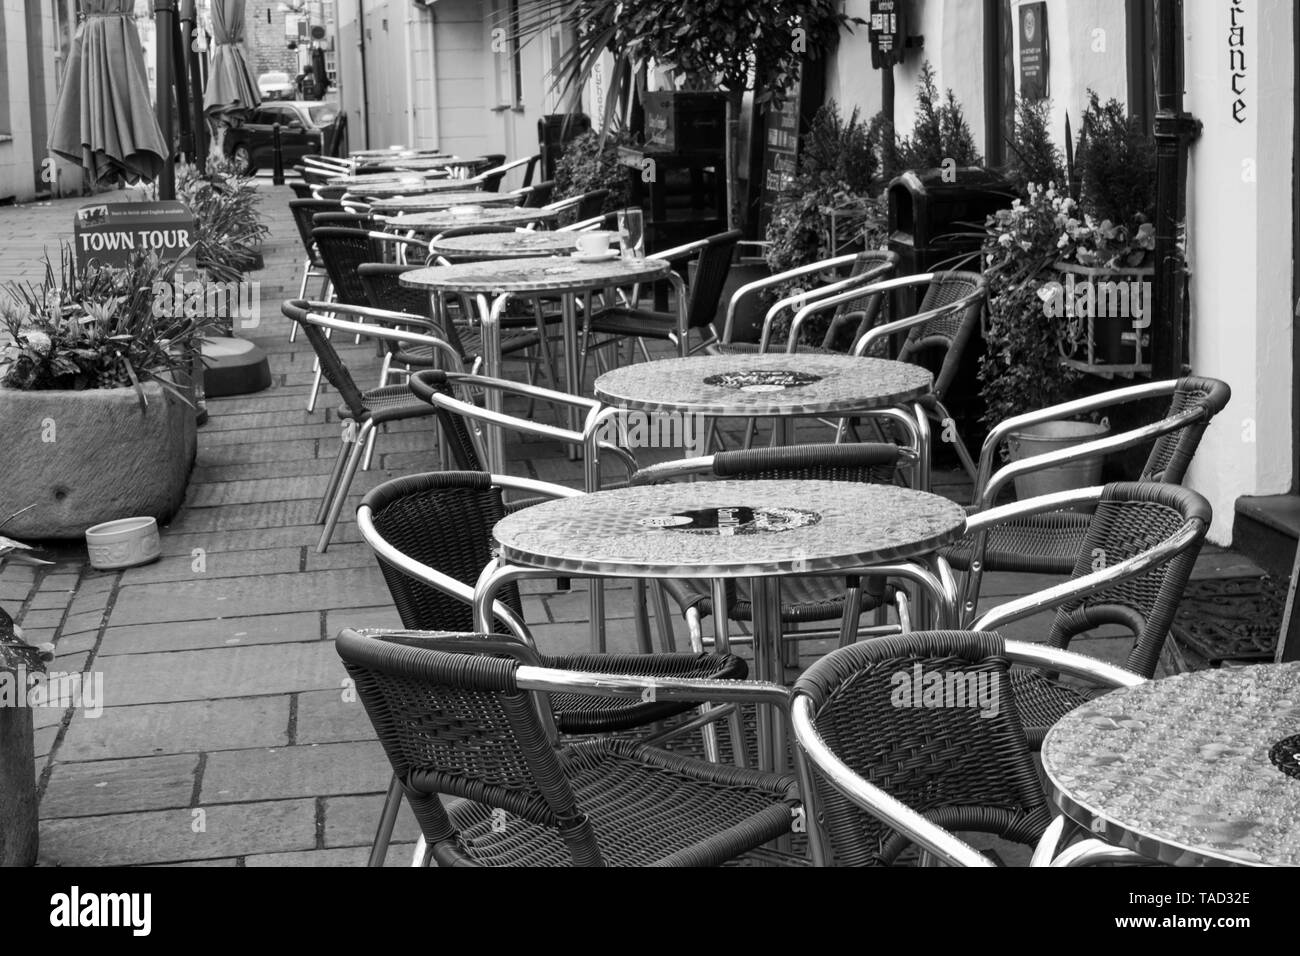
point(123, 543)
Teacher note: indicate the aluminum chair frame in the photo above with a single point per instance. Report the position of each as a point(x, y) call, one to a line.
point(939, 843)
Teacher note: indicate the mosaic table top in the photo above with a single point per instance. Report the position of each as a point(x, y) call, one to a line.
point(440, 220)
point(544, 274)
point(505, 245)
point(729, 529)
point(1195, 769)
point(803, 383)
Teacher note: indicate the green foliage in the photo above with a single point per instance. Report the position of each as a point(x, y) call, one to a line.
point(837, 168)
point(224, 203)
point(940, 132)
point(100, 327)
point(729, 41)
point(590, 162)
point(1034, 158)
point(1118, 163)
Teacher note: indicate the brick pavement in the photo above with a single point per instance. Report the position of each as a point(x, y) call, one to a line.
point(225, 737)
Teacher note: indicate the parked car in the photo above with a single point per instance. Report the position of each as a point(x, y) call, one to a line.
point(276, 86)
point(251, 145)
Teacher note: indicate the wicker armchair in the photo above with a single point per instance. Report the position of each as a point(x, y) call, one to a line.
point(804, 600)
point(1050, 543)
point(863, 268)
point(712, 265)
point(888, 772)
point(457, 716)
point(362, 412)
point(1131, 569)
point(313, 267)
point(432, 535)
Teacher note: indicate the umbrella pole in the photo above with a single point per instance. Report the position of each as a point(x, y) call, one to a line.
point(189, 33)
point(164, 20)
point(180, 80)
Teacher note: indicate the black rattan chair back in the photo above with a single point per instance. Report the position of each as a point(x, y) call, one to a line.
point(343, 251)
point(951, 331)
point(304, 211)
point(930, 718)
point(871, 265)
point(712, 266)
point(384, 291)
point(443, 520)
point(454, 428)
point(1172, 453)
point(335, 372)
point(539, 194)
point(457, 724)
point(301, 190)
point(1130, 518)
point(343, 219)
point(873, 463)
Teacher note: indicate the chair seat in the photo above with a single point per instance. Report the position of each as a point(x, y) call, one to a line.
point(389, 404)
point(1037, 544)
point(582, 714)
point(648, 807)
point(803, 599)
point(641, 323)
point(1041, 702)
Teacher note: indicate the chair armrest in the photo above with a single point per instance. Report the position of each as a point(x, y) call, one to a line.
point(469, 380)
point(902, 325)
point(1081, 406)
point(680, 252)
point(670, 470)
point(752, 288)
point(583, 225)
point(555, 681)
point(1071, 664)
point(1090, 584)
point(984, 521)
point(871, 798)
point(986, 493)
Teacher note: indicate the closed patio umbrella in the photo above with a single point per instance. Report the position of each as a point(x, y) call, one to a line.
point(230, 84)
point(104, 119)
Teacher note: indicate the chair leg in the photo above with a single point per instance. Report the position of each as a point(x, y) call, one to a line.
point(370, 450)
point(664, 619)
point(345, 447)
point(392, 804)
point(423, 854)
point(945, 420)
point(345, 485)
point(709, 731)
point(641, 617)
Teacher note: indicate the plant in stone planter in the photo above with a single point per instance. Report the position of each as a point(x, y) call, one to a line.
point(940, 133)
point(837, 168)
point(93, 404)
point(229, 230)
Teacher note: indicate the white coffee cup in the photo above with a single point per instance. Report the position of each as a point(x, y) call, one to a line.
point(593, 243)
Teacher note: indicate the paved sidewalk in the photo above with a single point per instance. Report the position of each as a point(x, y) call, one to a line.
point(228, 737)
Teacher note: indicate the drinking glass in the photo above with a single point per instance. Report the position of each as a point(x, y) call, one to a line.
point(631, 233)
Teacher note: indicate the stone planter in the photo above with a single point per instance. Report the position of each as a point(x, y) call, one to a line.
point(86, 457)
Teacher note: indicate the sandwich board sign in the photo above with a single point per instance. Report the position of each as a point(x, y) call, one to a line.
point(110, 233)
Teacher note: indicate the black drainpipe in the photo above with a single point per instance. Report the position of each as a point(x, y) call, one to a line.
point(992, 85)
point(1174, 131)
point(365, 86)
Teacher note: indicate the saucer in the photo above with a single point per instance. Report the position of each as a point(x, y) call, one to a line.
point(595, 256)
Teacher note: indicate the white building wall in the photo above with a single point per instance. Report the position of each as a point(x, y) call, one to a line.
point(1239, 228)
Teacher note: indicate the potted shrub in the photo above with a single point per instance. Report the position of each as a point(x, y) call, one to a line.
point(93, 402)
point(590, 162)
point(836, 174)
point(229, 232)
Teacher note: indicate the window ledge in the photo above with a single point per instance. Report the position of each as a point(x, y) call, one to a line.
point(5, 138)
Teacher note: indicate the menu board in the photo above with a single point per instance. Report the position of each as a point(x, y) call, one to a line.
point(111, 233)
point(1033, 50)
point(780, 153)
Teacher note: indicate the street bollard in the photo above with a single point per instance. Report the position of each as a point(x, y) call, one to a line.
point(277, 170)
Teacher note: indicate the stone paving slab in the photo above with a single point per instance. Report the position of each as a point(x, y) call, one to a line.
point(166, 836)
point(219, 564)
point(253, 539)
point(326, 717)
point(309, 770)
point(191, 727)
point(216, 673)
point(398, 856)
point(267, 594)
point(352, 821)
point(120, 786)
point(217, 632)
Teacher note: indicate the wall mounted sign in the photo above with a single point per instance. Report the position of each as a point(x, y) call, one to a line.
point(886, 31)
point(110, 233)
point(1033, 50)
point(780, 152)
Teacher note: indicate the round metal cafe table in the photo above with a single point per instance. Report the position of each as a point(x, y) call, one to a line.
point(439, 200)
point(492, 282)
point(359, 181)
point(1199, 769)
point(440, 220)
point(780, 385)
point(504, 245)
point(760, 530)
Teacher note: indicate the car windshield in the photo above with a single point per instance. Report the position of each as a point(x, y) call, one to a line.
point(324, 114)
